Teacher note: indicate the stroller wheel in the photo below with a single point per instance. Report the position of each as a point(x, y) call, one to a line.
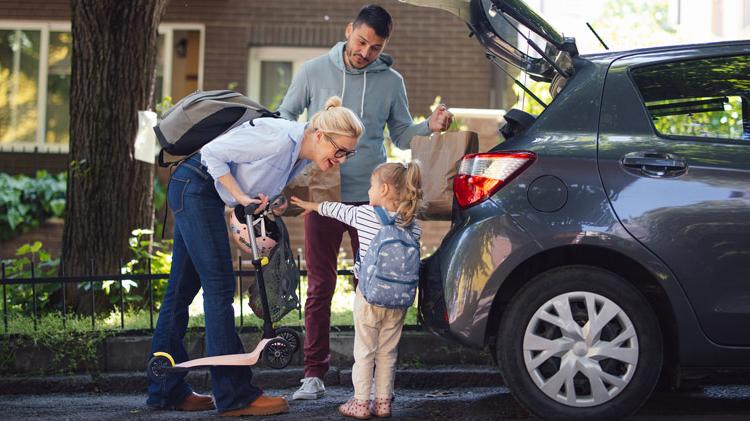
point(290, 335)
point(157, 366)
point(277, 353)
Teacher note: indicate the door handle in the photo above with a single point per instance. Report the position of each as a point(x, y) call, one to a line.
point(655, 164)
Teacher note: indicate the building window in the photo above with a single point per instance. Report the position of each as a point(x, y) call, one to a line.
point(20, 62)
point(271, 70)
point(35, 69)
point(58, 88)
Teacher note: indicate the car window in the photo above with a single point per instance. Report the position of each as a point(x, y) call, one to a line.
point(706, 98)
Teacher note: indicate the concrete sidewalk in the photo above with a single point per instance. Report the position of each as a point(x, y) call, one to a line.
point(130, 353)
point(443, 377)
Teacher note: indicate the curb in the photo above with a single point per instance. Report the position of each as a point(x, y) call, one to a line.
point(126, 353)
point(135, 382)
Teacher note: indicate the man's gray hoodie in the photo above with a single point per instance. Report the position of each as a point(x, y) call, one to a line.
point(375, 93)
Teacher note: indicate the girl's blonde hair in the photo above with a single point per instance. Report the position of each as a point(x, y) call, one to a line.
point(406, 181)
point(335, 120)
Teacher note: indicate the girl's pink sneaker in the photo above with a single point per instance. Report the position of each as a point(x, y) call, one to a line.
point(356, 409)
point(381, 407)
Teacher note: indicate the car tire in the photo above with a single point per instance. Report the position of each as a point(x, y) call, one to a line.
point(541, 362)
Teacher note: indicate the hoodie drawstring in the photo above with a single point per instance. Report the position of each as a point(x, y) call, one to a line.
point(343, 84)
point(362, 104)
point(364, 88)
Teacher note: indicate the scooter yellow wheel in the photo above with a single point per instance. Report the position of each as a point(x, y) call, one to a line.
point(158, 366)
point(165, 355)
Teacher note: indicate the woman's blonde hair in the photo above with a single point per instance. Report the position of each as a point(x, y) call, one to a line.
point(335, 120)
point(406, 181)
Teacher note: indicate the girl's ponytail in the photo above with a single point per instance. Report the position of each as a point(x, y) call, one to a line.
point(410, 198)
point(406, 180)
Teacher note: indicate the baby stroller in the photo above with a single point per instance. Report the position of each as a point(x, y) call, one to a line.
point(274, 264)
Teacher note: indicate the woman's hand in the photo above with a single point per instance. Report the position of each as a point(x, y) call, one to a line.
point(230, 183)
point(307, 206)
point(262, 201)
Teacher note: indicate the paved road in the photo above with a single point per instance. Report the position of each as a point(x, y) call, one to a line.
point(714, 402)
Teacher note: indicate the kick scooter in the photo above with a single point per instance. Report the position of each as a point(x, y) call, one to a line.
point(276, 346)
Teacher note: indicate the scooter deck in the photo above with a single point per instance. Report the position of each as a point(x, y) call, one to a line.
point(232, 359)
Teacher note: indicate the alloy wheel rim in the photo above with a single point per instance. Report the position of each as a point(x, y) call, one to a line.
point(580, 349)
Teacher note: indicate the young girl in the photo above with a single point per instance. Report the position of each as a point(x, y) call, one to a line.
point(377, 330)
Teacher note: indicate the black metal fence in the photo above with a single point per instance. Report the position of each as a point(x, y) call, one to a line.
point(94, 279)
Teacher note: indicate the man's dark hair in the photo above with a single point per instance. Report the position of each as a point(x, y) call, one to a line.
point(376, 18)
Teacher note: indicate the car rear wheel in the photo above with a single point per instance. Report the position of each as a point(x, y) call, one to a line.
point(580, 342)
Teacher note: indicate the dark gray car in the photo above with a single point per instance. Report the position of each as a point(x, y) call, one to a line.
point(606, 244)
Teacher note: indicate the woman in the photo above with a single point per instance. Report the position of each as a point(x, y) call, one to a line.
point(252, 160)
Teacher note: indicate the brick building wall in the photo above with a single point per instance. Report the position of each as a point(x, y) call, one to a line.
point(431, 48)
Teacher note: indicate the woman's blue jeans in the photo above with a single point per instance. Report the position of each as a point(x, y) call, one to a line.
point(200, 258)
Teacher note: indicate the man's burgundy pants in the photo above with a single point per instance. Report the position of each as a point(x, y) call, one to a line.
point(323, 237)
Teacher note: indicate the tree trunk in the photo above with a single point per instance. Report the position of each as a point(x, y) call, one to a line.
point(109, 192)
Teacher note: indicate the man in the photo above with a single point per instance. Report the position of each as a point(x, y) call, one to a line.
point(358, 72)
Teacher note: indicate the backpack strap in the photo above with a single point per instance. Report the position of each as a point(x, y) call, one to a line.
point(385, 219)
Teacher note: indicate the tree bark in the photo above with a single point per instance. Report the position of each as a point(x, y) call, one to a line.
point(110, 193)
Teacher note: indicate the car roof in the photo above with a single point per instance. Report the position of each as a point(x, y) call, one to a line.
point(614, 55)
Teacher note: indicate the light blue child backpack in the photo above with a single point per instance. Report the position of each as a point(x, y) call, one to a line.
point(389, 271)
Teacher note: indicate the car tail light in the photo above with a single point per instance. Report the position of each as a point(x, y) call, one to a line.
point(483, 174)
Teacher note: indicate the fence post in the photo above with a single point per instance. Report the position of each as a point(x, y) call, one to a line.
point(33, 293)
point(122, 302)
point(93, 298)
point(239, 287)
point(64, 304)
point(5, 301)
point(150, 294)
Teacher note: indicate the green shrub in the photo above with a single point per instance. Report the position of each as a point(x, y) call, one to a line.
point(25, 202)
point(20, 296)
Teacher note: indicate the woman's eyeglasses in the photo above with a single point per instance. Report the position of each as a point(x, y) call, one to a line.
point(340, 152)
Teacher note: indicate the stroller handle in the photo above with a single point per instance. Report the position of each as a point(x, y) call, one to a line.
point(251, 208)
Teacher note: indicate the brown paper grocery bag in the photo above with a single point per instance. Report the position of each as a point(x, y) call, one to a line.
point(440, 155)
point(314, 185)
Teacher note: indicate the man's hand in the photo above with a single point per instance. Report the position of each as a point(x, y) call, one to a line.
point(307, 206)
point(440, 119)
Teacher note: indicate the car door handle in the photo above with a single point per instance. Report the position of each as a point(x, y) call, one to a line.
point(655, 164)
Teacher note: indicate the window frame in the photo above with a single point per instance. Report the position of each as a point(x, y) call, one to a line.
point(295, 55)
point(641, 99)
point(45, 27)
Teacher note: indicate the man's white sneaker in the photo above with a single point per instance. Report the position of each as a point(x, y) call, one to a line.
point(312, 388)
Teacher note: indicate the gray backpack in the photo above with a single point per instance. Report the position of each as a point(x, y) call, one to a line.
point(389, 271)
point(201, 117)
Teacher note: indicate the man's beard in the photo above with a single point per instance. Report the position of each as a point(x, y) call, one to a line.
point(350, 57)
